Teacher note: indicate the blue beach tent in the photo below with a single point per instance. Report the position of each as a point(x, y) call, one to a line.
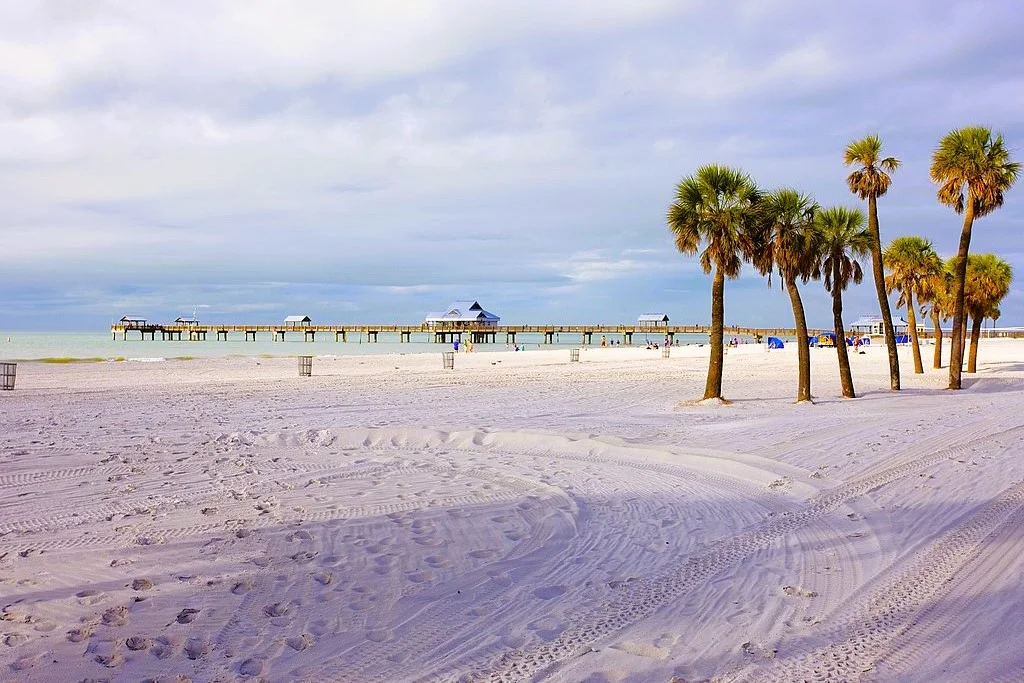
point(775, 343)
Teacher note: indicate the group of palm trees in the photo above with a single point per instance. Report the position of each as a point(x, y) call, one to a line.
point(721, 215)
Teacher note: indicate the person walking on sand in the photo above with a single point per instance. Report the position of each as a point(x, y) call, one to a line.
point(455, 345)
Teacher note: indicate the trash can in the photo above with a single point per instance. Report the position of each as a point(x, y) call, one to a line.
point(305, 366)
point(448, 358)
point(666, 351)
point(8, 371)
point(574, 355)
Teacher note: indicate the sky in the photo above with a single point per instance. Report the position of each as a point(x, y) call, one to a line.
point(371, 162)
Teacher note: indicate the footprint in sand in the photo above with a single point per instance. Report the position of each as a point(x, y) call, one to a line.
point(196, 648)
point(242, 587)
point(115, 616)
point(482, 554)
point(421, 576)
point(15, 639)
point(547, 628)
point(301, 535)
point(549, 592)
point(89, 597)
point(251, 667)
point(437, 561)
point(164, 647)
point(136, 643)
point(300, 642)
point(187, 615)
point(277, 611)
point(77, 635)
point(323, 578)
point(379, 635)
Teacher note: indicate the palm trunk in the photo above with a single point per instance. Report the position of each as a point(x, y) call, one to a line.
point(912, 324)
point(883, 300)
point(713, 388)
point(937, 360)
point(803, 346)
point(956, 353)
point(963, 334)
point(972, 359)
point(845, 376)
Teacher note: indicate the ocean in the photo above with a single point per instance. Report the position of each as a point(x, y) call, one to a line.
point(34, 346)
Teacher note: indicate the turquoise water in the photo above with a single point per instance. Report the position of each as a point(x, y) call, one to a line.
point(26, 346)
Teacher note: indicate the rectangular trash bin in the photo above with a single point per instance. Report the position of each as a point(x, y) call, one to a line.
point(574, 355)
point(448, 358)
point(8, 372)
point(666, 352)
point(305, 366)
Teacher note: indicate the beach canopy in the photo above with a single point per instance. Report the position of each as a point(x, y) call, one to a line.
point(775, 343)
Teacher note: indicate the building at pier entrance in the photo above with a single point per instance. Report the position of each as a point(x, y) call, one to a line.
point(462, 315)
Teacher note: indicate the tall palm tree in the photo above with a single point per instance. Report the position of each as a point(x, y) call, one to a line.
point(911, 261)
point(988, 282)
point(786, 241)
point(935, 295)
point(973, 170)
point(870, 180)
point(717, 208)
point(843, 242)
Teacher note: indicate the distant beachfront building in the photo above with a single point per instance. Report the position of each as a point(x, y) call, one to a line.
point(652, 320)
point(297, 321)
point(131, 321)
point(872, 324)
point(459, 314)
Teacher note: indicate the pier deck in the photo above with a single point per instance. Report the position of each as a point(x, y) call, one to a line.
point(587, 334)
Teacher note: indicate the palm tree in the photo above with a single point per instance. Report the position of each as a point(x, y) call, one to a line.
point(717, 207)
point(935, 295)
point(786, 240)
point(843, 242)
point(988, 282)
point(911, 260)
point(972, 160)
point(870, 181)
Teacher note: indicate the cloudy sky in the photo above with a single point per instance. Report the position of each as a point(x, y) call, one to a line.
point(361, 161)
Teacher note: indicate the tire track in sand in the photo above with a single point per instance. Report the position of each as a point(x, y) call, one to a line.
point(880, 626)
point(645, 596)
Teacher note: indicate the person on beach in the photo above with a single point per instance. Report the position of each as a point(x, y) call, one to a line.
point(455, 345)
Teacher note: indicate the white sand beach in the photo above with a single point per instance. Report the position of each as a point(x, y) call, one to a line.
point(519, 518)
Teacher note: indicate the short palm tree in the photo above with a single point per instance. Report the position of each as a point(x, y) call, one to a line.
point(716, 208)
point(988, 282)
point(935, 296)
point(843, 242)
point(910, 261)
point(870, 180)
point(973, 170)
point(786, 241)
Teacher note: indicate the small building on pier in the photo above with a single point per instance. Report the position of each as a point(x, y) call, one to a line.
point(461, 315)
point(872, 324)
point(189, 322)
point(652, 320)
point(133, 322)
point(297, 321)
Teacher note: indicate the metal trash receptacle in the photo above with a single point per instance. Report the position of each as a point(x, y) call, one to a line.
point(8, 373)
point(448, 358)
point(666, 352)
point(305, 366)
point(574, 355)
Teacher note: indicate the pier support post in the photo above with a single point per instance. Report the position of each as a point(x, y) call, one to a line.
point(308, 335)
